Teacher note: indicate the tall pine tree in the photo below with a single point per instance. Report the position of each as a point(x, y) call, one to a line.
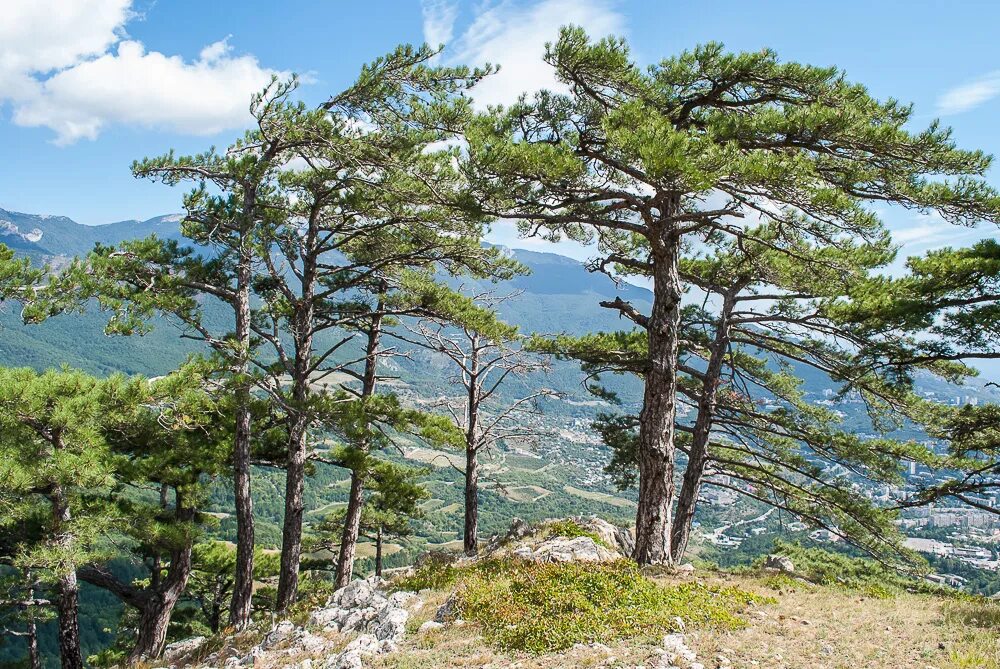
point(642, 163)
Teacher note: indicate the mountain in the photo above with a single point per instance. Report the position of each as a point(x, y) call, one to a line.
point(559, 295)
point(59, 236)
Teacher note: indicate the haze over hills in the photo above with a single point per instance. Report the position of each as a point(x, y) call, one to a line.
point(558, 295)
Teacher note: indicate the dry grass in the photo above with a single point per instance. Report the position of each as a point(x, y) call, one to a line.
point(810, 627)
point(827, 628)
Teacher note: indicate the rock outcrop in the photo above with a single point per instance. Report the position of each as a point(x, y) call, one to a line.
point(374, 621)
point(539, 544)
point(361, 607)
point(779, 563)
point(560, 549)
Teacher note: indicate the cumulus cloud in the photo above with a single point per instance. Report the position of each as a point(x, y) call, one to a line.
point(969, 95)
point(72, 68)
point(513, 34)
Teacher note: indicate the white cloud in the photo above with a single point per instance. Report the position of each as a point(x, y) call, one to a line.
point(513, 34)
point(922, 232)
point(439, 21)
point(970, 95)
point(69, 66)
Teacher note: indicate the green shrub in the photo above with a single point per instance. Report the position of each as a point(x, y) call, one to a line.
point(850, 573)
point(434, 571)
point(570, 529)
point(547, 607)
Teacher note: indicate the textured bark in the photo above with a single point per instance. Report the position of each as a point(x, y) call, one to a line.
point(349, 537)
point(158, 603)
point(291, 532)
point(378, 552)
point(67, 606)
point(67, 588)
point(155, 603)
point(34, 659)
point(352, 517)
point(240, 608)
point(154, 617)
point(698, 457)
point(215, 617)
point(470, 540)
point(659, 408)
point(298, 444)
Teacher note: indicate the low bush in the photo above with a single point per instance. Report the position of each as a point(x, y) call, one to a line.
point(570, 529)
point(434, 571)
point(857, 574)
point(538, 608)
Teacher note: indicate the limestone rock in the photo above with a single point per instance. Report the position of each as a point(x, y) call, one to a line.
point(178, 651)
point(579, 549)
point(676, 653)
point(448, 611)
point(617, 538)
point(430, 626)
point(779, 563)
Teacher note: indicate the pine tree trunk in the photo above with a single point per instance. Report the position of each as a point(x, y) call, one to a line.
point(158, 606)
point(659, 408)
point(352, 516)
point(298, 444)
point(470, 543)
point(67, 608)
point(154, 618)
point(67, 587)
point(470, 540)
point(34, 660)
point(215, 611)
point(31, 628)
point(291, 533)
point(378, 553)
point(698, 458)
point(349, 537)
point(239, 611)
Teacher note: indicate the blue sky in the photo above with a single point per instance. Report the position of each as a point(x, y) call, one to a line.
point(86, 86)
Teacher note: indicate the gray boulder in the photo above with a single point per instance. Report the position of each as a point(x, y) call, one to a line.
point(579, 549)
point(779, 563)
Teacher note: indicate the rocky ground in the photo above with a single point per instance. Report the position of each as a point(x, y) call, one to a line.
point(804, 626)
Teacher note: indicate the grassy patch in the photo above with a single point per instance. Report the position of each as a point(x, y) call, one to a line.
point(599, 497)
point(855, 574)
point(783, 583)
point(549, 607)
point(570, 529)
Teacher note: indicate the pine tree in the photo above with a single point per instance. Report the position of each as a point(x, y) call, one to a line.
point(210, 587)
point(365, 417)
point(177, 442)
point(766, 316)
point(643, 163)
point(368, 192)
point(486, 356)
point(388, 512)
point(943, 311)
point(56, 465)
point(143, 278)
